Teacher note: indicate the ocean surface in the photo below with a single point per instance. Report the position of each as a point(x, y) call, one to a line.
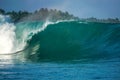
point(75, 70)
point(59, 50)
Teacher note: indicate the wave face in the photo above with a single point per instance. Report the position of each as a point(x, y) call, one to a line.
point(74, 40)
point(63, 40)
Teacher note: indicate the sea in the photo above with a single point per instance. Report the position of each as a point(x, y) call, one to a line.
point(59, 50)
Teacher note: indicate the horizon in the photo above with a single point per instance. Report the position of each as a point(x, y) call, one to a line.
point(80, 8)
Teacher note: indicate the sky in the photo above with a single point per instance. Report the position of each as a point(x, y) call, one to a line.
point(81, 8)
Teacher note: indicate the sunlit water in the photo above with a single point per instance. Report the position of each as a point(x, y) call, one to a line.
point(73, 70)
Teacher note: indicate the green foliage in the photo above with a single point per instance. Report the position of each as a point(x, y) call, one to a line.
point(52, 15)
point(2, 11)
point(38, 15)
point(16, 16)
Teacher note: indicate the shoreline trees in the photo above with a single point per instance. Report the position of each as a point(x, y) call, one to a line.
point(51, 14)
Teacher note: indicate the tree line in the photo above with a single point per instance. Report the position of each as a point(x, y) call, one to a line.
point(38, 15)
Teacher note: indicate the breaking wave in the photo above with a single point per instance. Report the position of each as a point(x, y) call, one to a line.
point(60, 40)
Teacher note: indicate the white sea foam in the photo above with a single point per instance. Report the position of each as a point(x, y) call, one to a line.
point(10, 43)
point(7, 37)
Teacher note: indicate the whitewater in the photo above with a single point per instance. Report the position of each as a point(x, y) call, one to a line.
point(62, 40)
point(9, 44)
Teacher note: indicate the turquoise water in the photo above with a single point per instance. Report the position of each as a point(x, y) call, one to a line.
point(74, 40)
point(61, 50)
point(75, 70)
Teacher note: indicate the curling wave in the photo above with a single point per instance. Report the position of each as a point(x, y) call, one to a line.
point(61, 40)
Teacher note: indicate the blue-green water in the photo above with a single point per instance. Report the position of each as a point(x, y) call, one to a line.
point(98, 70)
point(61, 50)
point(69, 40)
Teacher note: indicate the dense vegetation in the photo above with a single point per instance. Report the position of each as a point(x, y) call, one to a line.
point(52, 14)
point(109, 20)
point(39, 15)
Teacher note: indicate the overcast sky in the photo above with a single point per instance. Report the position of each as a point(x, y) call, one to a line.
point(80, 8)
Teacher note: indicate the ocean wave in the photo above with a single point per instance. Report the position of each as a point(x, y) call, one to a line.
point(63, 40)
